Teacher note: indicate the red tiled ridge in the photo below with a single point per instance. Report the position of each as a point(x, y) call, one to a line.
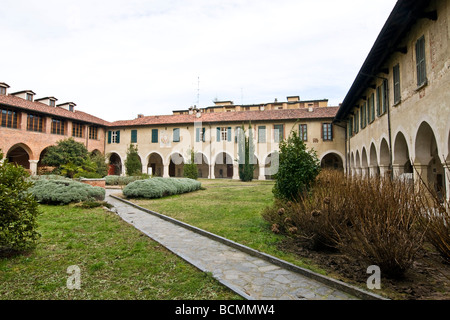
point(39, 107)
point(236, 116)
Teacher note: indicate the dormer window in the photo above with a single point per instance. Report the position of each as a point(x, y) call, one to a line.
point(29, 97)
point(71, 108)
point(52, 103)
point(3, 91)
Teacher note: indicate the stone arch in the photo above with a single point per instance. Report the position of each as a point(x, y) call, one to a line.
point(352, 163)
point(176, 164)
point(427, 159)
point(384, 154)
point(20, 154)
point(332, 160)
point(364, 163)
point(156, 163)
point(401, 156)
point(41, 167)
point(373, 161)
point(115, 164)
point(223, 165)
point(271, 162)
point(202, 162)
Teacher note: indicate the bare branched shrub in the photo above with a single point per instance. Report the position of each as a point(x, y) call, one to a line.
point(436, 219)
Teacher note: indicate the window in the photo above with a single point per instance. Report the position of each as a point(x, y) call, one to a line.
point(2, 90)
point(371, 108)
point(133, 136)
point(223, 134)
point(114, 136)
point(8, 118)
point(200, 134)
point(52, 103)
point(29, 97)
point(35, 123)
point(420, 62)
point(262, 134)
point(363, 118)
point(58, 126)
point(350, 127)
point(77, 130)
point(176, 135)
point(278, 134)
point(397, 94)
point(154, 135)
point(93, 133)
point(303, 132)
point(327, 132)
point(384, 96)
point(379, 101)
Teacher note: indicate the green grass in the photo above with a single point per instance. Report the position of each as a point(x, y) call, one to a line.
point(116, 262)
point(231, 209)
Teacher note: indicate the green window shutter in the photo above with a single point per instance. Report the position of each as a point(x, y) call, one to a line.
point(154, 135)
point(133, 136)
point(218, 134)
point(118, 136)
point(197, 135)
point(109, 137)
point(176, 135)
point(229, 134)
point(203, 136)
point(262, 134)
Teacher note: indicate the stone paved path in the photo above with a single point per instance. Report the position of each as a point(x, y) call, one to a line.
point(248, 275)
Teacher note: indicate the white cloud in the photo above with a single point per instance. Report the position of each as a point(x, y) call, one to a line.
point(118, 58)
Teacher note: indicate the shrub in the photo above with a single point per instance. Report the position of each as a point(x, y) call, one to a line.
point(123, 180)
point(190, 169)
point(18, 209)
point(297, 169)
point(133, 162)
point(373, 220)
point(64, 191)
point(160, 187)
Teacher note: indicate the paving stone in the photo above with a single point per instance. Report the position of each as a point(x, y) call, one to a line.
point(257, 277)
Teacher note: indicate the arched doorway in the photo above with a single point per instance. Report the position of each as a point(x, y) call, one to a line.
point(223, 167)
point(401, 162)
point(115, 165)
point(155, 162)
point(332, 161)
point(19, 154)
point(42, 168)
point(176, 165)
point(364, 163)
point(373, 161)
point(427, 161)
point(202, 165)
point(271, 164)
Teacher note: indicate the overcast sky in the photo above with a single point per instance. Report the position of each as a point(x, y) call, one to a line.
point(118, 58)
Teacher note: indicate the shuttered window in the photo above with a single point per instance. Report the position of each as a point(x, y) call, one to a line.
point(420, 62)
point(262, 134)
point(176, 135)
point(133, 136)
point(396, 76)
point(154, 135)
point(303, 132)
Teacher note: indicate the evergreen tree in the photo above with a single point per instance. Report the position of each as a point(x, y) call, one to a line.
point(246, 154)
point(190, 169)
point(133, 164)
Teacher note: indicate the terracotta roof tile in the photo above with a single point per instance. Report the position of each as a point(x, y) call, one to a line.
point(240, 116)
point(39, 107)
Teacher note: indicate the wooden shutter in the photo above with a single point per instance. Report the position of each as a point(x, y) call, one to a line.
point(118, 136)
point(218, 134)
point(109, 137)
point(197, 134)
point(229, 134)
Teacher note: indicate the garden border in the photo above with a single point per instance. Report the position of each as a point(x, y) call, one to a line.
point(350, 289)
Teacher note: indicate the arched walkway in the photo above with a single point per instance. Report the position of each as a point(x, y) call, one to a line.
point(373, 161)
point(271, 165)
point(427, 161)
point(176, 165)
point(20, 154)
point(115, 164)
point(332, 161)
point(223, 166)
point(202, 163)
point(155, 162)
point(401, 159)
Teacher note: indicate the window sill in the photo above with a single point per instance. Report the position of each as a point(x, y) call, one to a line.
point(396, 103)
point(423, 85)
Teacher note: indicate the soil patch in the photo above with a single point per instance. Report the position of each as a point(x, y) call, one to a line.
point(427, 279)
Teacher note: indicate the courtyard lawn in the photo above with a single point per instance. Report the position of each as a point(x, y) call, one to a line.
point(116, 262)
point(231, 209)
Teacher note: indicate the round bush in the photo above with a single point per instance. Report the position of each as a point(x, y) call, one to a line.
point(65, 191)
point(160, 187)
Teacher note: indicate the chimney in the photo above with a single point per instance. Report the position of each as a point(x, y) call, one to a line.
point(69, 106)
point(140, 115)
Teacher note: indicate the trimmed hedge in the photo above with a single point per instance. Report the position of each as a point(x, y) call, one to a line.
point(123, 180)
point(60, 190)
point(160, 187)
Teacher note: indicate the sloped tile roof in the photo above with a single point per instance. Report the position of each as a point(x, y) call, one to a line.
point(39, 107)
point(239, 116)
